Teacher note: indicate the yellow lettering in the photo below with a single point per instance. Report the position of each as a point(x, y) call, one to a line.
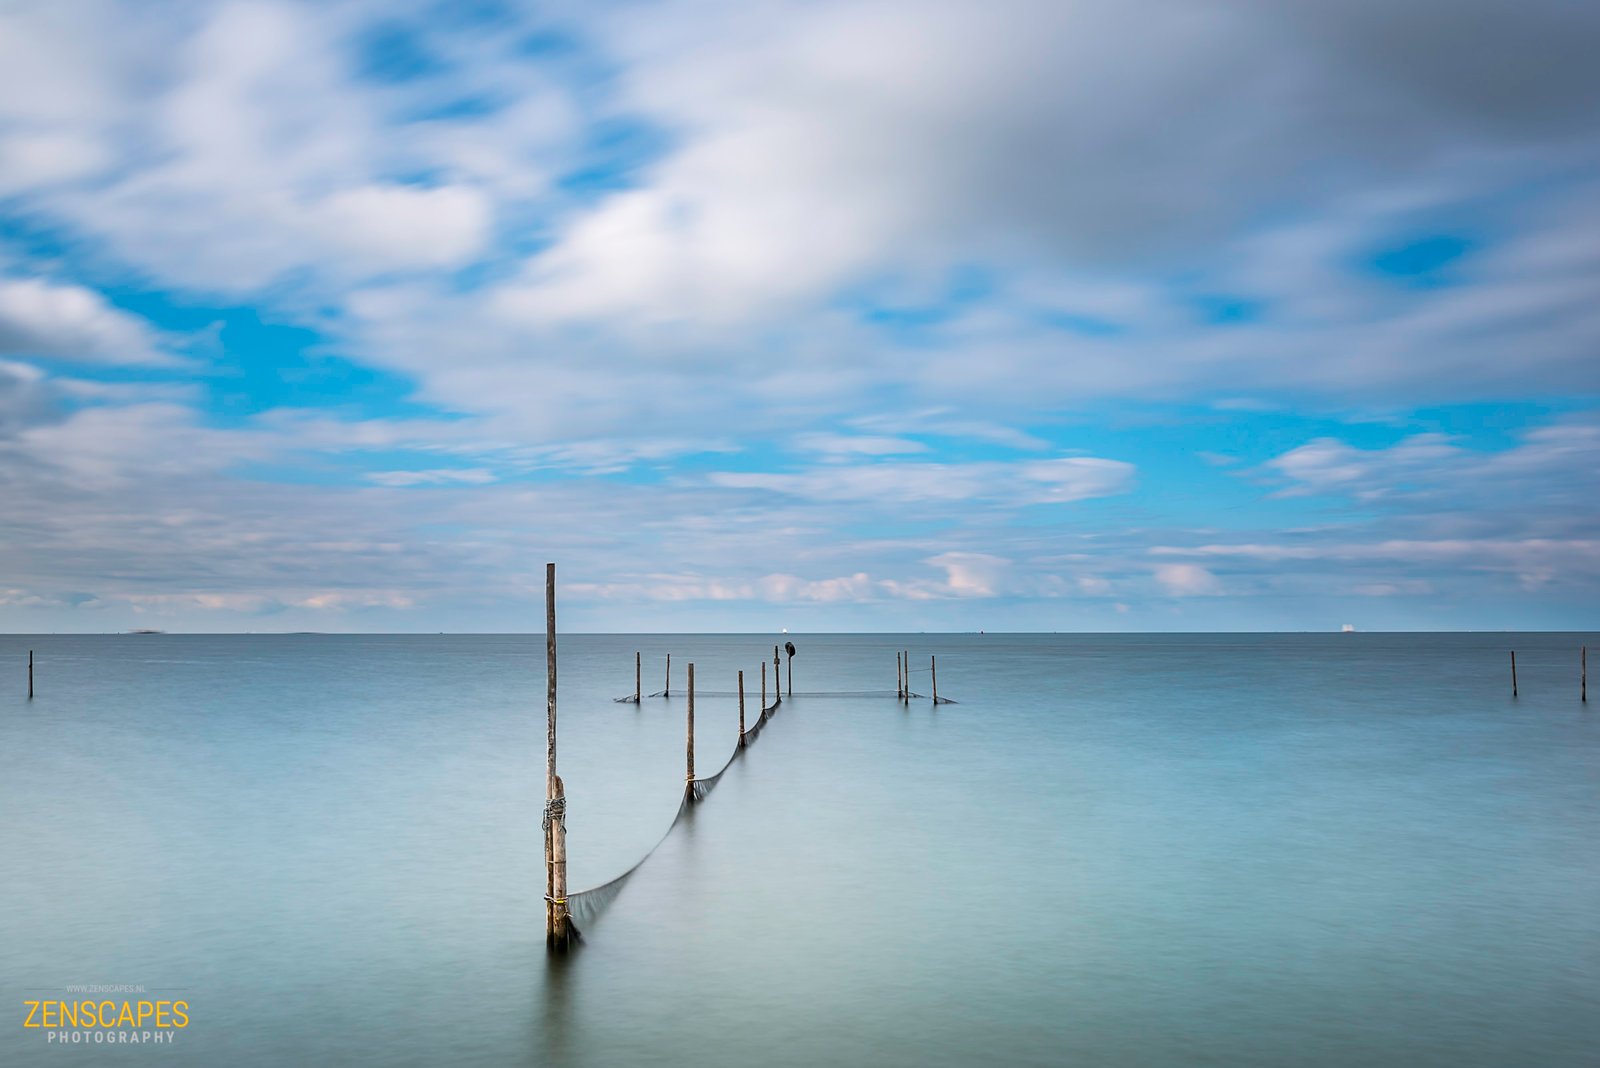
point(126, 1015)
point(106, 1009)
point(180, 1009)
point(33, 1008)
point(45, 1018)
point(69, 1013)
point(145, 1009)
point(86, 1014)
point(163, 1016)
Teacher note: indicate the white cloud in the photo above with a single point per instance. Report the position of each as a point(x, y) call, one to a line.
point(474, 476)
point(393, 227)
point(1059, 480)
point(1187, 580)
point(39, 318)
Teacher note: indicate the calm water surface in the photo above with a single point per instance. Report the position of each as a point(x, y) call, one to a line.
point(1115, 850)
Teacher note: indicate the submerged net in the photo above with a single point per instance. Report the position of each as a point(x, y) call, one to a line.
point(585, 906)
point(629, 699)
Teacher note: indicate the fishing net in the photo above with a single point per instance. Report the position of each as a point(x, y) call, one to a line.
point(585, 906)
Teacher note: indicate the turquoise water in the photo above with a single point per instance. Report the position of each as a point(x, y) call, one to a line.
point(1114, 850)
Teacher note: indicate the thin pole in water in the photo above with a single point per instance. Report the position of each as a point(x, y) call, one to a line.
point(30, 674)
point(741, 709)
point(1513, 673)
point(637, 668)
point(689, 783)
point(899, 676)
point(933, 669)
point(1583, 676)
point(668, 691)
point(558, 922)
point(777, 675)
point(763, 687)
point(906, 656)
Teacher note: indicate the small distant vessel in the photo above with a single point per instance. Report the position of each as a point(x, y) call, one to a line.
point(1348, 628)
point(147, 631)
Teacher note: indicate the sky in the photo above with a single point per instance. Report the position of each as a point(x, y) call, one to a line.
point(872, 315)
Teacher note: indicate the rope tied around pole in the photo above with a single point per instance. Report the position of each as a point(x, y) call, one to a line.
point(555, 809)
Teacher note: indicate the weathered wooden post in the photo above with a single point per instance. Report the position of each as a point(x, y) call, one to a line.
point(899, 676)
point(933, 670)
point(1513, 673)
point(741, 710)
point(788, 647)
point(637, 689)
point(763, 687)
point(558, 931)
point(688, 785)
point(30, 674)
point(905, 658)
point(1583, 673)
point(668, 691)
point(777, 676)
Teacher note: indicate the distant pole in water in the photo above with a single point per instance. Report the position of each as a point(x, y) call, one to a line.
point(1583, 676)
point(899, 676)
point(637, 665)
point(788, 647)
point(1513, 673)
point(777, 674)
point(906, 658)
point(689, 781)
point(933, 669)
point(30, 674)
point(741, 709)
point(763, 687)
point(668, 691)
point(558, 921)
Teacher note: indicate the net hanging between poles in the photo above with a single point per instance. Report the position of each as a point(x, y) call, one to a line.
point(798, 693)
point(585, 906)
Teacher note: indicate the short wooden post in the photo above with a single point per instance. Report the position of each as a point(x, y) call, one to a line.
point(777, 675)
point(933, 670)
point(1583, 673)
point(899, 676)
point(558, 933)
point(689, 780)
point(905, 658)
point(637, 668)
point(763, 687)
point(667, 692)
point(30, 674)
point(1513, 673)
point(791, 675)
point(741, 709)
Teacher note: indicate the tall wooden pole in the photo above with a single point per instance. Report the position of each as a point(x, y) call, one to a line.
point(777, 675)
point(689, 782)
point(899, 676)
point(637, 689)
point(558, 933)
point(741, 709)
point(905, 658)
point(933, 669)
point(668, 691)
point(1513, 673)
point(30, 674)
point(1583, 676)
point(763, 687)
point(791, 675)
